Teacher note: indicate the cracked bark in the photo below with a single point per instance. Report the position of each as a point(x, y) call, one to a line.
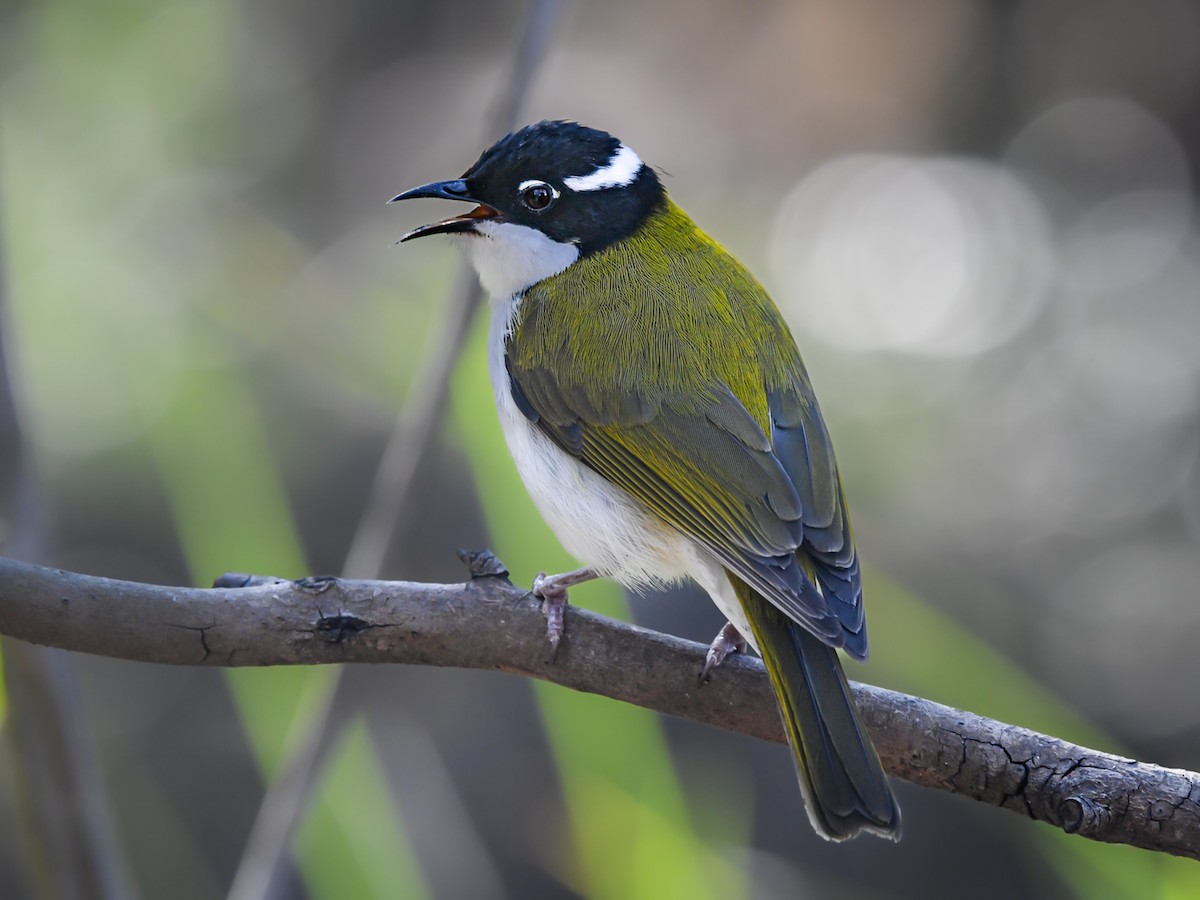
point(488, 623)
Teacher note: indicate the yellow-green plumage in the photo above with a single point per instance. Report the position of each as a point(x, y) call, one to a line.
point(716, 315)
point(689, 394)
point(657, 409)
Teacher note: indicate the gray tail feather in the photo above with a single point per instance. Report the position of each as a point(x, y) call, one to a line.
point(844, 785)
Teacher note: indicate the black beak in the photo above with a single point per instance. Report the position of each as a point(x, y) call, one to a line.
point(449, 190)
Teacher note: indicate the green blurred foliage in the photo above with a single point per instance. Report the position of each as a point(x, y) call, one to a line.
point(210, 334)
point(152, 334)
point(357, 846)
point(228, 507)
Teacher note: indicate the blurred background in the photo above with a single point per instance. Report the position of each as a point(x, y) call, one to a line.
point(980, 221)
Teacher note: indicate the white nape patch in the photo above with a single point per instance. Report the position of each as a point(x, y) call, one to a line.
point(620, 171)
point(510, 257)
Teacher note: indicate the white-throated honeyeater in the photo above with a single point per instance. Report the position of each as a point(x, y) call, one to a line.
point(658, 411)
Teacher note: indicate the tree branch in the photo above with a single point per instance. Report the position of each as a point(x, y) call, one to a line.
point(488, 623)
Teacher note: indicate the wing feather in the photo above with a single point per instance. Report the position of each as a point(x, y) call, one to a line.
point(661, 402)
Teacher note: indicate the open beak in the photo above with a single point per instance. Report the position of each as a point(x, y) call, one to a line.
point(449, 190)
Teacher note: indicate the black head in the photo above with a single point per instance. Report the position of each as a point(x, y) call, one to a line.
point(574, 184)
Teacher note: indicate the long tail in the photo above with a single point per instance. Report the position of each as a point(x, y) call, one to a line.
point(845, 788)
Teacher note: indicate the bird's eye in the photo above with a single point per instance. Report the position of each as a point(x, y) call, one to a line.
point(537, 195)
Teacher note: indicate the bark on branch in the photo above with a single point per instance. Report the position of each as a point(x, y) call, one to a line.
point(488, 623)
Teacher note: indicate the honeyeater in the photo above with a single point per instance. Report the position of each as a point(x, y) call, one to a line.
point(657, 409)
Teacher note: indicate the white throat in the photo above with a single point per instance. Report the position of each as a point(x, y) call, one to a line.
point(510, 258)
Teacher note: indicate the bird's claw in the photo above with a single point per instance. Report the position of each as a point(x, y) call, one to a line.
point(728, 640)
point(554, 602)
point(552, 591)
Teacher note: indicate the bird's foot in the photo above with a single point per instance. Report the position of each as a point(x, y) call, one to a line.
point(552, 591)
point(728, 640)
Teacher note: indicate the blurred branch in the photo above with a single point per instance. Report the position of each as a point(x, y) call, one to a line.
point(70, 844)
point(488, 623)
point(416, 429)
point(259, 875)
point(260, 872)
point(71, 847)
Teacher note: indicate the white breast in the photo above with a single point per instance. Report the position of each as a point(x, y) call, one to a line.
point(597, 523)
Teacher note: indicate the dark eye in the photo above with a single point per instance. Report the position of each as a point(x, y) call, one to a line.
point(537, 195)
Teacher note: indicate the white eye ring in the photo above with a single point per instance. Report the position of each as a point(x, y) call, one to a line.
point(526, 186)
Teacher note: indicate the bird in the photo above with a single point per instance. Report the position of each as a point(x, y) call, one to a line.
point(658, 411)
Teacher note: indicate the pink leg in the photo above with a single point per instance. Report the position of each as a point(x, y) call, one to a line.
point(552, 591)
point(728, 640)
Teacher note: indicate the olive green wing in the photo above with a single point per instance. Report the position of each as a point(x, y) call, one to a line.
point(768, 506)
